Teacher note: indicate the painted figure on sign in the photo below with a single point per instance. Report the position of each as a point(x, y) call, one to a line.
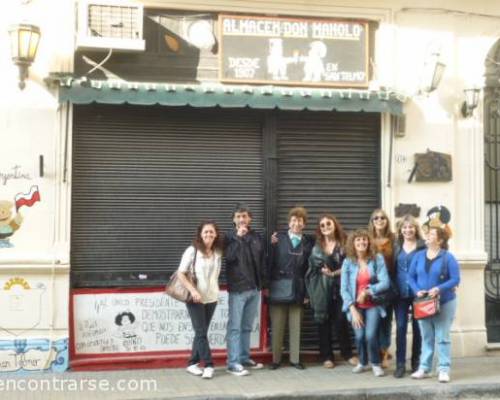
point(277, 63)
point(313, 63)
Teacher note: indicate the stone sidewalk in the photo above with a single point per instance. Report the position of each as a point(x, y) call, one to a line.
point(472, 378)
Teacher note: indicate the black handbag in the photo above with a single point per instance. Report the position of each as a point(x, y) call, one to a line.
point(282, 291)
point(386, 297)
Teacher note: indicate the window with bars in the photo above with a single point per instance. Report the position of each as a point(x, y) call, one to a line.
point(113, 21)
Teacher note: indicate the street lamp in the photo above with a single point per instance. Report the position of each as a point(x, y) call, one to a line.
point(24, 39)
point(471, 101)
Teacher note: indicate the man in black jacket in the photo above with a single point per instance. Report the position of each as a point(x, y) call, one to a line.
point(244, 252)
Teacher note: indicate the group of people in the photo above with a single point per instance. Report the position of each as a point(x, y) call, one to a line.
point(340, 276)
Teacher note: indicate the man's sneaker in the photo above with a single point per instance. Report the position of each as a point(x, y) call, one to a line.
point(443, 377)
point(194, 369)
point(208, 373)
point(238, 370)
point(420, 374)
point(252, 364)
point(377, 370)
point(359, 368)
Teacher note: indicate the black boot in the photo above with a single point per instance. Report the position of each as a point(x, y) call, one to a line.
point(400, 371)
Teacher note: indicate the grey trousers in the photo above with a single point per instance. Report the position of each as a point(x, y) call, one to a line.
point(280, 313)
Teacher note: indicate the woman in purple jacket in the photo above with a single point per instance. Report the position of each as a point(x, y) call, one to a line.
point(435, 272)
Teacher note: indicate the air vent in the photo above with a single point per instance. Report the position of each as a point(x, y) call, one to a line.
point(110, 24)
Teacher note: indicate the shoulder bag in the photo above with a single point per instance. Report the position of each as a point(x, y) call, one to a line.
point(176, 289)
point(282, 290)
point(425, 307)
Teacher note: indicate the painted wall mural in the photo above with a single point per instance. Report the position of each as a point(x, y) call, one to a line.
point(10, 222)
point(21, 304)
point(438, 217)
point(27, 355)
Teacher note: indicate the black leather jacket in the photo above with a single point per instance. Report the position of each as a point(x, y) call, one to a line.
point(245, 261)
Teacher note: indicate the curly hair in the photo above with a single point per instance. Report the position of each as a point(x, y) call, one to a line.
point(349, 246)
point(411, 220)
point(387, 231)
point(198, 241)
point(339, 233)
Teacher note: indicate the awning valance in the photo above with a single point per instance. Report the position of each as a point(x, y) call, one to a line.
point(85, 91)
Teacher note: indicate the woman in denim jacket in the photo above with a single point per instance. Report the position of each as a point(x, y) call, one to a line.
point(363, 275)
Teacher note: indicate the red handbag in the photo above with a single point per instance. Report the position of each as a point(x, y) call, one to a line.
point(425, 307)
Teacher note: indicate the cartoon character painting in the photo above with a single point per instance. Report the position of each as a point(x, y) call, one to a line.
point(276, 62)
point(10, 223)
point(438, 217)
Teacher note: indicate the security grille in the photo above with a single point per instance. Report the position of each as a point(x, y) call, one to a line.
point(113, 21)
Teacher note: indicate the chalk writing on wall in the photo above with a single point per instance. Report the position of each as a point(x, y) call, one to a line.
point(13, 173)
point(107, 323)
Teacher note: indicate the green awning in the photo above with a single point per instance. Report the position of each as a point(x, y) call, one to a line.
point(85, 91)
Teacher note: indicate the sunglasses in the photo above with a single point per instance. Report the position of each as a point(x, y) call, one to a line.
point(325, 224)
point(378, 217)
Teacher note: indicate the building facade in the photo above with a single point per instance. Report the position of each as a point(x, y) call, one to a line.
point(116, 149)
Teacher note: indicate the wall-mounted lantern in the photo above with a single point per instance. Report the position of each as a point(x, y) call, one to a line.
point(24, 39)
point(432, 74)
point(471, 101)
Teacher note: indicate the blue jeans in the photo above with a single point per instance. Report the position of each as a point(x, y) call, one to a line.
point(402, 307)
point(385, 329)
point(437, 329)
point(243, 308)
point(367, 336)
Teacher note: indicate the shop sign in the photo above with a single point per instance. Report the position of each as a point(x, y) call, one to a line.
point(291, 51)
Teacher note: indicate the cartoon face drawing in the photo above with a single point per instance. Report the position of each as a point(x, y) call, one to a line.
point(125, 321)
point(8, 224)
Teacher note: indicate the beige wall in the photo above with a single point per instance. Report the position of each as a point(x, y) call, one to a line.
point(33, 123)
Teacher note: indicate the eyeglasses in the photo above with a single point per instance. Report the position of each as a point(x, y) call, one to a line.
point(325, 224)
point(378, 217)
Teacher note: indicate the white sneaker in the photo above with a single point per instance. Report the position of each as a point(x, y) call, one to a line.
point(195, 370)
point(377, 370)
point(420, 374)
point(443, 377)
point(208, 373)
point(252, 364)
point(238, 370)
point(359, 368)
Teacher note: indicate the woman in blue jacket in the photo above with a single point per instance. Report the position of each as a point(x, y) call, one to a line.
point(408, 243)
point(363, 275)
point(435, 272)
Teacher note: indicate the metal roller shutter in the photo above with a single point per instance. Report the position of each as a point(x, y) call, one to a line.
point(144, 177)
point(328, 162)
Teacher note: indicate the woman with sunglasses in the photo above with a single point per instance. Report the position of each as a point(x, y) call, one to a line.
point(408, 242)
point(379, 228)
point(323, 288)
point(363, 275)
point(288, 265)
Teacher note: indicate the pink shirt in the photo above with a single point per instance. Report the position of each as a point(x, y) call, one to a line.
point(362, 282)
